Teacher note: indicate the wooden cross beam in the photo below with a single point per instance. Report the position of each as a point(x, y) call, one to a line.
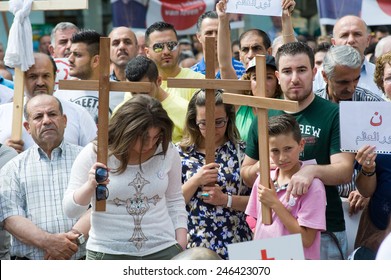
point(262, 103)
point(210, 84)
point(17, 117)
point(104, 86)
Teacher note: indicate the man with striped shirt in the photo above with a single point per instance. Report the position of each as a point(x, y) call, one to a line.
point(341, 72)
point(33, 185)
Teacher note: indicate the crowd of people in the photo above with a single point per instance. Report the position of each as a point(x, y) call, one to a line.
point(163, 200)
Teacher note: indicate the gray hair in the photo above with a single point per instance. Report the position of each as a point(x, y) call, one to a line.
point(61, 26)
point(341, 56)
point(379, 50)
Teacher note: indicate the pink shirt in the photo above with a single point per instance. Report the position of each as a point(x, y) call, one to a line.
point(309, 210)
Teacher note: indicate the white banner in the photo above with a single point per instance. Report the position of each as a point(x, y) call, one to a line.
point(365, 123)
point(255, 7)
point(287, 247)
point(376, 12)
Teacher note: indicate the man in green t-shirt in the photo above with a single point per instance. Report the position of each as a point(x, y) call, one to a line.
point(319, 124)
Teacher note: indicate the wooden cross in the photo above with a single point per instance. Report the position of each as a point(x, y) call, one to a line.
point(17, 117)
point(210, 84)
point(104, 86)
point(262, 103)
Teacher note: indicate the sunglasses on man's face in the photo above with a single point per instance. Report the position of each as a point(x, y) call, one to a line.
point(159, 47)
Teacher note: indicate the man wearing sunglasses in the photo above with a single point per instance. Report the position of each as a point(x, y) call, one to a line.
point(33, 185)
point(161, 42)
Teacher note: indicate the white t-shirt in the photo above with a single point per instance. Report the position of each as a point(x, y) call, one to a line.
point(6, 94)
point(90, 100)
point(144, 207)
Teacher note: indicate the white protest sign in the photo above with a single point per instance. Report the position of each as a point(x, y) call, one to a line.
point(365, 123)
point(255, 7)
point(287, 247)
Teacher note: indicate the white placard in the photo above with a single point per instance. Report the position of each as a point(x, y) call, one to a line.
point(365, 123)
point(255, 7)
point(287, 247)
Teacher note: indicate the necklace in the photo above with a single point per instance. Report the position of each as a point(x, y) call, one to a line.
point(278, 187)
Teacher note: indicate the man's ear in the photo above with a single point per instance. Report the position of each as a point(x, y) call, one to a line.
point(65, 119)
point(314, 71)
point(159, 80)
point(51, 50)
point(277, 76)
point(27, 126)
point(269, 51)
point(95, 61)
point(325, 79)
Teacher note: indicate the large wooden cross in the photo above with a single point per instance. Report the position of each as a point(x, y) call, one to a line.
point(104, 86)
point(261, 103)
point(17, 117)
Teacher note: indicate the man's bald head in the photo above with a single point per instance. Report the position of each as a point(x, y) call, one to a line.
point(351, 30)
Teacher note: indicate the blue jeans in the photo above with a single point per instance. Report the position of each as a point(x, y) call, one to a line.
point(329, 249)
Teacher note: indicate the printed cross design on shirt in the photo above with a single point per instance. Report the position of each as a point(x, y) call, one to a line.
point(137, 207)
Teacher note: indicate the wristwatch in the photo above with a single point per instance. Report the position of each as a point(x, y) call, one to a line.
point(80, 239)
point(229, 202)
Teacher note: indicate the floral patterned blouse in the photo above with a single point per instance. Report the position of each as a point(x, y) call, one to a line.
point(212, 226)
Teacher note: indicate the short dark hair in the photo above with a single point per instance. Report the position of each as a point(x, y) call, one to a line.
point(322, 47)
point(294, 48)
point(39, 55)
point(284, 124)
point(208, 14)
point(140, 67)
point(158, 26)
point(89, 37)
point(258, 32)
point(26, 113)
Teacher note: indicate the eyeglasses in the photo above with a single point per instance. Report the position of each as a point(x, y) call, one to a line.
point(219, 123)
point(101, 175)
point(159, 47)
point(101, 192)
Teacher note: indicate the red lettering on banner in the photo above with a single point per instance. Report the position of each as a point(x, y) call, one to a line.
point(264, 255)
point(385, 5)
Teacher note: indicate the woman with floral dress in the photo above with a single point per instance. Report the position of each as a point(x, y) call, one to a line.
point(214, 194)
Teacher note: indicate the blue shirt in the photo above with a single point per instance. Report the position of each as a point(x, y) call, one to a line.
point(6, 82)
point(238, 66)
